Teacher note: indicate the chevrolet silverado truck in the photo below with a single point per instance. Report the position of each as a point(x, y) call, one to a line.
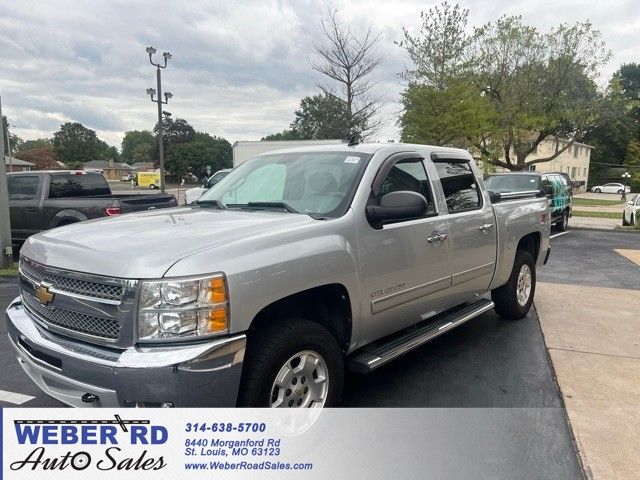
point(42, 200)
point(297, 265)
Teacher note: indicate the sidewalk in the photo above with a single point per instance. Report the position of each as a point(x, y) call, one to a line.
point(593, 338)
point(595, 222)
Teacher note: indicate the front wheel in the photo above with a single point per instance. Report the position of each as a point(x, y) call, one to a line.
point(513, 300)
point(597, 190)
point(292, 364)
point(620, 192)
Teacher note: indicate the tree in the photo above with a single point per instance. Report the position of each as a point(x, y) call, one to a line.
point(632, 157)
point(143, 153)
point(284, 135)
point(14, 140)
point(349, 58)
point(37, 143)
point(535, 86)
point(75, 144)
point(176, 131)
point(136, 141)
point(195, 155)
point(323, 117)
point(44, 158)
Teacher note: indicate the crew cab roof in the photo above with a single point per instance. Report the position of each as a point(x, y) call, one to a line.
point(367, 148)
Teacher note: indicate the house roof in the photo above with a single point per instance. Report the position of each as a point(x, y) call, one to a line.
point(18, 162)
point(104, 164)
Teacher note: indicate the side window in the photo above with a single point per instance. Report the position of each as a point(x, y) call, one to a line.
point(23, 187)
point(459, 185)
point(80, 185)
point(408, 175)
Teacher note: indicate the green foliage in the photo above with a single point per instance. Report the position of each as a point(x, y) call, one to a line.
point(138, 143)
point(15, 141)
point(194, 156)
point(537, 86)
point(632, 157)
point(37, 143)
point(284, 135)
point(321, 117)
point(75, 144)
point(176, 131)
point(441, 116)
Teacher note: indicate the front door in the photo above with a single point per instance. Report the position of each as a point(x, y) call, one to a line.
point(404, 265)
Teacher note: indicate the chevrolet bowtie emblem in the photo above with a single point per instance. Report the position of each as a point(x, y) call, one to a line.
point(43, 294)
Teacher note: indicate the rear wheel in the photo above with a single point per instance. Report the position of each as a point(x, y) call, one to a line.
point(513, 300)
point(624, 220)
point(597, 190)
point(620, 192)
point(564, 222)
point(152, 186)
point(292, 364)
point(633, 221)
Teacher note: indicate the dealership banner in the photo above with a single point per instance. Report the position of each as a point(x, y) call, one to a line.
point(269, 443)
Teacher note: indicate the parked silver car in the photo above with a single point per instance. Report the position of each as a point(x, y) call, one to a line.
point(298, 264)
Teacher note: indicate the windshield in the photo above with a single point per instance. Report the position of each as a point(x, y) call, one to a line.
point(314, 183)
point(513, 183)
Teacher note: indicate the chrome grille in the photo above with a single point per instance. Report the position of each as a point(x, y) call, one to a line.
point(78, 322)
point(67, 283)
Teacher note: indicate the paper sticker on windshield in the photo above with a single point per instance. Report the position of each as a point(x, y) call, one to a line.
point(352, 160)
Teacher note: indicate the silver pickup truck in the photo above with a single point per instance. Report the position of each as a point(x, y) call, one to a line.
point(297, 265)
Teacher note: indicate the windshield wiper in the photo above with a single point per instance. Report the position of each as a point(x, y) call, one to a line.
point(264, 205)
point(210, 203)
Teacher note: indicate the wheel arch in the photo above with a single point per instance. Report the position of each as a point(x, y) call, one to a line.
point(328, 305)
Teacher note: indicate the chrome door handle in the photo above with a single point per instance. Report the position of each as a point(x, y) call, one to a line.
point(486, 227)
point(437, 238)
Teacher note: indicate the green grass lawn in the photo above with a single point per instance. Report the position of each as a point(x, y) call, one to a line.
point(10, 270)
point(594, 202)
point(579, 213)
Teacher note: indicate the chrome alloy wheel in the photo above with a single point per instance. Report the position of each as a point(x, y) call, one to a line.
point(302, 382)
point(523, 289)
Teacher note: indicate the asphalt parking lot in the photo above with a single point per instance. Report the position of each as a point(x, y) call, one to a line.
point(487, 363)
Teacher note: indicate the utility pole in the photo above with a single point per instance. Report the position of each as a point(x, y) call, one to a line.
point(167, 95)
point(6, 253)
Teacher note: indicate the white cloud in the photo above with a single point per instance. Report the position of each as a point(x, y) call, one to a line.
point(239, 67)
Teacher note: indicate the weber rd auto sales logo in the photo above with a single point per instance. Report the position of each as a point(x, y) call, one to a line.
point(108, 440)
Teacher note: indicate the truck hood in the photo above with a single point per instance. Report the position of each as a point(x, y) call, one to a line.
point(146, 245)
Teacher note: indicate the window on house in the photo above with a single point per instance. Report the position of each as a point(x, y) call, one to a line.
point(573, 172)
point(576, 150)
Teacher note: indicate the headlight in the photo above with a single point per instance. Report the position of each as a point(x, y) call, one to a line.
point(179, 308)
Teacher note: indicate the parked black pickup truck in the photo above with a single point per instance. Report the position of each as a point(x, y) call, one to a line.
point(46, 199)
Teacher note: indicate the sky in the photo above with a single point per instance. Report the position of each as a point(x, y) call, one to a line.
point(239, 68)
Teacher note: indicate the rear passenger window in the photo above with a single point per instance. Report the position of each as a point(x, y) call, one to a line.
point(408, 175)
point(23, 187)
point(78, 185)
point(459, 186)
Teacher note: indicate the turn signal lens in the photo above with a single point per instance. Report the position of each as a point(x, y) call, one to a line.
point(213, 321)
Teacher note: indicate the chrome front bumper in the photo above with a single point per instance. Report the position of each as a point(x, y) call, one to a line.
point(195, 375)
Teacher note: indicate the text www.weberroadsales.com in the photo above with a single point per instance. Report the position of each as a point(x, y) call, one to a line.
point(247, 466)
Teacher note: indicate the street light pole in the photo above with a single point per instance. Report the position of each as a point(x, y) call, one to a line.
point(167, 95)
point(625, 177)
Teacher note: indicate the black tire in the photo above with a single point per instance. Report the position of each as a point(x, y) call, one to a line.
point(505, 298)
point(620, 192)
point(597, 190)
point(562, 225)
point(624, 220)
point(268, 349)
point(633, 221)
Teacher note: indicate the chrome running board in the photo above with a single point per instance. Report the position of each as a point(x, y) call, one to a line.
point(405, 341)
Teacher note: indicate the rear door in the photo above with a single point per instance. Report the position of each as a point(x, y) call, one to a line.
point(472, 226)
point(24, 205)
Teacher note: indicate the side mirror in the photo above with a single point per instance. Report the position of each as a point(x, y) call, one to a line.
point(395, 206)
point(548, 190)
point(495, 197)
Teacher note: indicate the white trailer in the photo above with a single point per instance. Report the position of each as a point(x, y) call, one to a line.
point(244, 150)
